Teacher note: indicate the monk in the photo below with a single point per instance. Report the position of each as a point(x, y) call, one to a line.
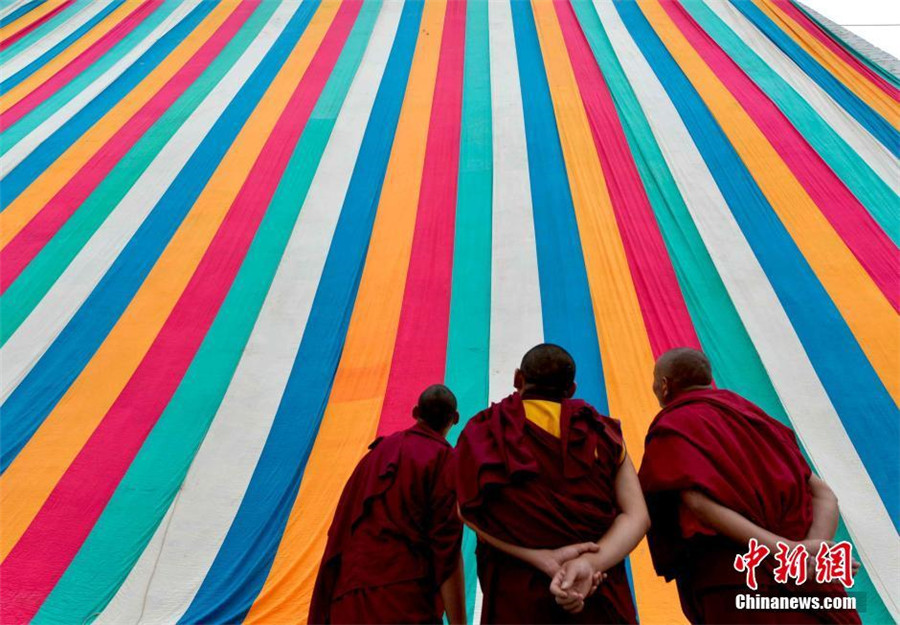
point(547, 485)
point(718, 472)
point(393, 551)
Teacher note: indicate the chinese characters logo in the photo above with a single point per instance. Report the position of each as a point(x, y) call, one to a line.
point(833, 562)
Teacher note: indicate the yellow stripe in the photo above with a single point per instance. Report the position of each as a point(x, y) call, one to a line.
point(41, 76)
point(31, 477)
point(870, 93)
point(53, 178)
point(28, 19)
point(625, 346)
point(867, 312)
point(351, 417)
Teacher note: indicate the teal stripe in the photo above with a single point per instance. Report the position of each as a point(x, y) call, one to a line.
point(38, 277)
point(147, 490)
point(871, 63)
point(850, 167)
point(468, 342)
point(44, 29)
point(21, 129)
point(722, 334)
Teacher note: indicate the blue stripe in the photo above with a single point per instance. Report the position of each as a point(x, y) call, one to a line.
point(243, 562)
point(852, 385)
point(869, 119)
point(15, 133)
point(46, 57)
point(565, 294)
point(41, 31)
point(853, 170)
point(41, 158)
point(42, 388)
point(22, 10)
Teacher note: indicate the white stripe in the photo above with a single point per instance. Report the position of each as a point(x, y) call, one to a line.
point(36, 137)
point(172, 569)
point(516, 321)
point(845, 125)
point(45, 43)
point(12, 7)
point(53, 312)
point(515, 292)
point(817, 423)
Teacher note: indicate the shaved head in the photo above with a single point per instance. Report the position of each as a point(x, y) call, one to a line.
point(549, 370)
point(679, 369)
point(437, 407)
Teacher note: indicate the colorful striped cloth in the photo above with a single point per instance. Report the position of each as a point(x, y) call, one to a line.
point(239, 236)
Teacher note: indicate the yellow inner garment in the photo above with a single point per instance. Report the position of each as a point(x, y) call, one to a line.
point(544, 414)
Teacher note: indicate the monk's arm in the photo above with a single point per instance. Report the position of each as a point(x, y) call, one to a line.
point(546, 560)
point(453, 595)
point(825, 510)
point(629, 527)
point(577, 579)
point(727, 522)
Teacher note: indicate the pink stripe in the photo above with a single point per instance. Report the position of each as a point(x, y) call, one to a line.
point(45, 224)
point(801, 18)
point(14, 38)
point(78, 64)
point(40, 557)
point(420, 351)
point(665, 314)
point(868, 242)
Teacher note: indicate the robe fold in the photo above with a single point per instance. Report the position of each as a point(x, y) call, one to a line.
point(527, 487)
point(722, 445)
point(395, 537)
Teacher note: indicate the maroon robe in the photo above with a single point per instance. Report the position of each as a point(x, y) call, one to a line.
point(526, 487)
point(720, 444)
point(395, 537)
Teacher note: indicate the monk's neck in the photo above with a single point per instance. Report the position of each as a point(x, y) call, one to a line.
point(527, 394)
point(689, 389)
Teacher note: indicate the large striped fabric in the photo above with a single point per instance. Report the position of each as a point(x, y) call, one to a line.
point(239, 236)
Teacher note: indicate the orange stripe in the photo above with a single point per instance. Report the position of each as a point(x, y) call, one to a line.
point(31, 477)
point(11, 97)
point(625, 345)
point(29, 18)
point(875, 97)
point(868, 313)
point(351, 417)
point(23, 209)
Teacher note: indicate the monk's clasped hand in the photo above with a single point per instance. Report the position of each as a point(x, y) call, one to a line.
point(575, 581)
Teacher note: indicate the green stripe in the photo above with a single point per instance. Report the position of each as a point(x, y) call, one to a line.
point(39, 276)
point(859, 54)
point(148, 488)
point(43, 30)
point(725, 340)
point(468, 340)
point(850, 167)
point(61, 98)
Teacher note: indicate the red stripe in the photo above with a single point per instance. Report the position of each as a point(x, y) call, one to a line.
point(42, 554)
point(665, 314)
point(14, 38)
point(45, 224)
point(855, 225)
point(420, 350)
point(801, 18)
point(78, 64)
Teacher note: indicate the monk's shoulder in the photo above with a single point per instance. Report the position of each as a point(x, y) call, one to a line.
point(479, 424)
point(608, 424)
point(608, 430)
point(425, 451)
point(685, 416)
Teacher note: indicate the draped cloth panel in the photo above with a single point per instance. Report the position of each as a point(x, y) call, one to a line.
point(238, 237)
